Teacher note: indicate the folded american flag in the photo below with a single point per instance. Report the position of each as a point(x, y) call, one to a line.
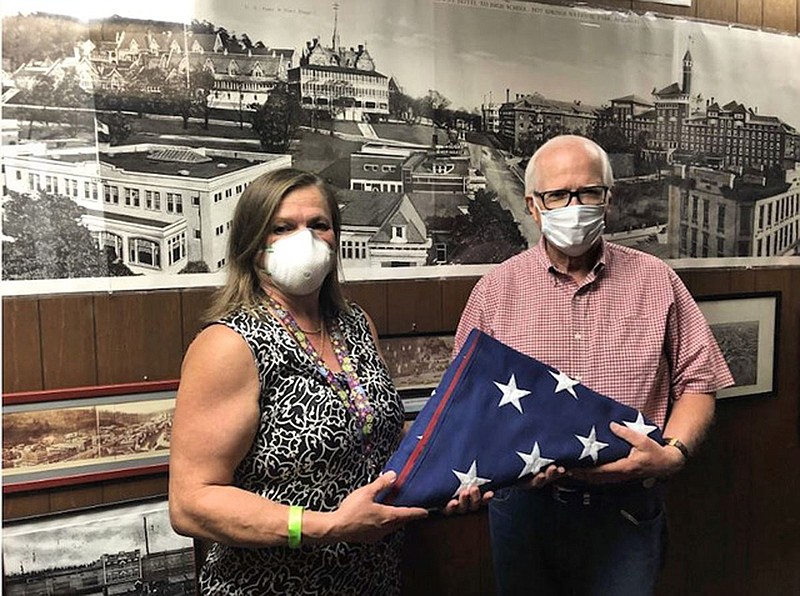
point(498, 416)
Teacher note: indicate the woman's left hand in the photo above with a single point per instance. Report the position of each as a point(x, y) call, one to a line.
point(468, 500)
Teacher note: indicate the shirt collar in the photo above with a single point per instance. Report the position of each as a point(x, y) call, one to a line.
point(540, 252)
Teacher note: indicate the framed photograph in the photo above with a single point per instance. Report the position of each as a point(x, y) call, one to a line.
point(746, 328)
point(416, 363)
point(128, 548)
point(72, 436)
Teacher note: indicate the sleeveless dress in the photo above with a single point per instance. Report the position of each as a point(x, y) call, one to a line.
point(307, 451)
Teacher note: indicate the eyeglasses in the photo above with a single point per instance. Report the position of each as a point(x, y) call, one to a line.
point(586, 195)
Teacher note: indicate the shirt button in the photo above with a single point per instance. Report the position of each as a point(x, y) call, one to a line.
point(578, 336)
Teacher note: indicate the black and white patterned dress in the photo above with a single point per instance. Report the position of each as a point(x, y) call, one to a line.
point(307, 452)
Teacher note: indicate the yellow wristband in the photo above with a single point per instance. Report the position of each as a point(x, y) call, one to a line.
point(295, 526)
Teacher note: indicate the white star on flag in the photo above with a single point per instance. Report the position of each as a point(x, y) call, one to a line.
point(469, 478)
point(533, 461)
point(511, 394)
point(564, 383)
point(591, 446)
point(640, 426)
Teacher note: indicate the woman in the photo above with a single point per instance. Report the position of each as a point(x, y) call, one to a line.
point(286, 413)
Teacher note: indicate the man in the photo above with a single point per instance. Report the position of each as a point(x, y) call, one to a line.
point(622, 323)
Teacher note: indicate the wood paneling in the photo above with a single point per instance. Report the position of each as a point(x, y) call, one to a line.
point(616, 4)
point(733, 523)
point(717, 10)
point(139, 337)
point(455, 294)
point(76, 497)
point(372, 298)
point(437, 560)
point(668, 9)
point(20, 505)
point(68, 348)
point(22, 356)
point(135, 488)
point(750, 12)
point(415, 306)
point(193, 306)
point(706, 283)
point(780, 15)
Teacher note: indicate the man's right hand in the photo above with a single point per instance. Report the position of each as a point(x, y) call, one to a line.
point(543, 478)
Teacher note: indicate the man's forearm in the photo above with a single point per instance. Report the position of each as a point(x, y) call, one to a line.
point(690, 419)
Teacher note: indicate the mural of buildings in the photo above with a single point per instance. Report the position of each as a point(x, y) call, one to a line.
point(678, 125)
point(129, 572)
point(339, 81)
point(738, 137)
point(442, 170)
point(631, 114)
point(379, 167)
point(121, 56)
point(243, 77)
point(715, 213)
point(535, 118)
point(436, 182)
point(490, 113)
point(382, 230)
point(158, 207)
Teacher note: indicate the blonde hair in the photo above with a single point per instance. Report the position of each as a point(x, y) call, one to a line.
point(250, 227)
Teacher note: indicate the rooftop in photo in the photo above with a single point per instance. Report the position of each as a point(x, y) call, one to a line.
point(177, 161)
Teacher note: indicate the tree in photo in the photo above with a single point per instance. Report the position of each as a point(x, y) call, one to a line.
point(201, 84)
point(276, 121)
point(38, 98)
point(145, 90)
point(612, 139)
point(486, 234)
point(43, 239)
point(118, 128)
point(433, 106)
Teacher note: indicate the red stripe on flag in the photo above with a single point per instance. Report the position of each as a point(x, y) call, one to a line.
point(409, 465)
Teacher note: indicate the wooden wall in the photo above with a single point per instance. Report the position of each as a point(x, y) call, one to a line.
point(734, 518)
point(733, 512)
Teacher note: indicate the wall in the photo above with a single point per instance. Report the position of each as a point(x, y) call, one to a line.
point(733, 512)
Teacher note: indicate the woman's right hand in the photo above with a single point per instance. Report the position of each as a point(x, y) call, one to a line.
point(360, 519)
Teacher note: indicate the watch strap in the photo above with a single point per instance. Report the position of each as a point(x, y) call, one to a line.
point(679, 445)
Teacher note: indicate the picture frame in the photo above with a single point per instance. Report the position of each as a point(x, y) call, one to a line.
point(124, 548)
point(416, 364)
point(87, 434)
point(746, 326)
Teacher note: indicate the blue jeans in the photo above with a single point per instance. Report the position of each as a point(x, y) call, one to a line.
point(549, 541)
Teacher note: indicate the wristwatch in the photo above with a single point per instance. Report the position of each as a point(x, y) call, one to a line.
point(679, 445)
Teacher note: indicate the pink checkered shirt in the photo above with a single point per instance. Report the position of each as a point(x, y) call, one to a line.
point(630, 331)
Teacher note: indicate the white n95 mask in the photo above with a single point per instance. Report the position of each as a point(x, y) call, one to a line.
point(573, 229)
point(298, 264)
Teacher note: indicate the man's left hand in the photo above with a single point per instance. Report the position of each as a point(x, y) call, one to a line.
point(647, 459)
point(468, 500)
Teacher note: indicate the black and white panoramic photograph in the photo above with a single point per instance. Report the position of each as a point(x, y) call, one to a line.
point(131, 129)
point(125, 549)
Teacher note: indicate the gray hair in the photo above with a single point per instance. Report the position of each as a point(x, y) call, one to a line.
point(589, 145)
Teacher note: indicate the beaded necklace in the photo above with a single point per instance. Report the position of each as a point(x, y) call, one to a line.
point(351, 392)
